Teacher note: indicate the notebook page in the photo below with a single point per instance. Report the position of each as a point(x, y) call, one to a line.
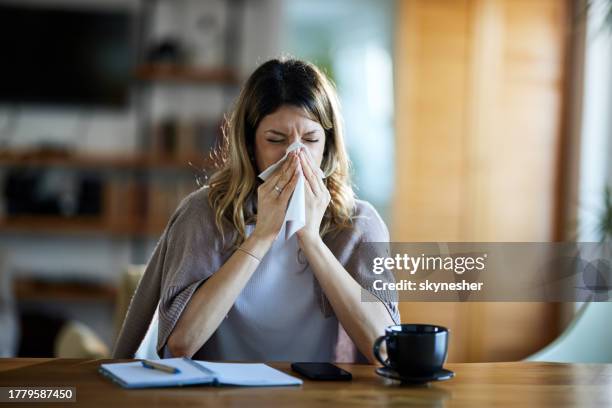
point(134, 375)
point(248, 374)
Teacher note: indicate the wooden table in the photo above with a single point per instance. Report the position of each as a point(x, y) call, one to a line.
point(516, 384)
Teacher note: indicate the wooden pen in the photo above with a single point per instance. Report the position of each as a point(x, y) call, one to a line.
point(161, 367)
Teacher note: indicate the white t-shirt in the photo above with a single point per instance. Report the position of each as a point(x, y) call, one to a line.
point(277, 316)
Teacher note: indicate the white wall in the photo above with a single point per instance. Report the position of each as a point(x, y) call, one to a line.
point(354, 38)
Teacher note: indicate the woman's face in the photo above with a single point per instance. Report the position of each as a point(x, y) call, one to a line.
point(278, 130)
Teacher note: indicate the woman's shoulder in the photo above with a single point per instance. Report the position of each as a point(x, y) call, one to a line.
point(196, 201)
point(368, 223)
point(367, 226)
point(365, 208)
point(193, 211)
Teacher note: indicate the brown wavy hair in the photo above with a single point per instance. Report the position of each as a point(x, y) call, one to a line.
point(233, 186)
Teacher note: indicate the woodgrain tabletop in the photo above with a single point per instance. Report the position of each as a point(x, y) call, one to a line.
point(517, 384)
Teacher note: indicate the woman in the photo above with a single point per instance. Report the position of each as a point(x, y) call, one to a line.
point(231, 284)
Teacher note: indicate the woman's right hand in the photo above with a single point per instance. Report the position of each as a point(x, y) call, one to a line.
point(272, 204)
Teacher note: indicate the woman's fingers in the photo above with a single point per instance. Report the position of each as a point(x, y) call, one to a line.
point(290, 186)
point(288, 173)
point(308, 188)
point(309, 173)
point(277, 173)
point(275, 179)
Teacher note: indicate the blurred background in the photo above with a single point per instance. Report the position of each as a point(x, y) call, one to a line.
point(466, 120)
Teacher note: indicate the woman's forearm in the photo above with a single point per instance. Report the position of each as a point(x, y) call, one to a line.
point(363, 321)
point(212, 301)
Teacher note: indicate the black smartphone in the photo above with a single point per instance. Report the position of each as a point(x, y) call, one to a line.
point(321, 371)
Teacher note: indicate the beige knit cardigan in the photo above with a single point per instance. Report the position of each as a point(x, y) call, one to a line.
point(190, 250)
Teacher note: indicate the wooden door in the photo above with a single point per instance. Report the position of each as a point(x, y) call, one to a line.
point(479, 94)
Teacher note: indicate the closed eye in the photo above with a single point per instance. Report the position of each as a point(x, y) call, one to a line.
point(278, 137)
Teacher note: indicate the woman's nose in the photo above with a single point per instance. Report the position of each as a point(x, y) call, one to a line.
point(294, 138)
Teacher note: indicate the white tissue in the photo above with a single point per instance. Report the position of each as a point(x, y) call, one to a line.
point(295, 218)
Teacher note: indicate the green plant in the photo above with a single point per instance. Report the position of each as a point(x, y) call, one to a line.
point(601, 6)
point(608, 11)
point(604, 227)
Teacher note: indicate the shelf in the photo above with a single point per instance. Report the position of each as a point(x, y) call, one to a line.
point(37, 289)
point(186, 74)
point(77, 226)
point(28, 158)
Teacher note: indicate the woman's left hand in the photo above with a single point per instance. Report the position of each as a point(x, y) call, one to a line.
point(317, 199)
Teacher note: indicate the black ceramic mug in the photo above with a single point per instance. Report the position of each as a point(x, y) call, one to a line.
point(414, 350)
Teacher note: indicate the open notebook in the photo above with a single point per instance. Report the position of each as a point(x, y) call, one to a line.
point(134, 375)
